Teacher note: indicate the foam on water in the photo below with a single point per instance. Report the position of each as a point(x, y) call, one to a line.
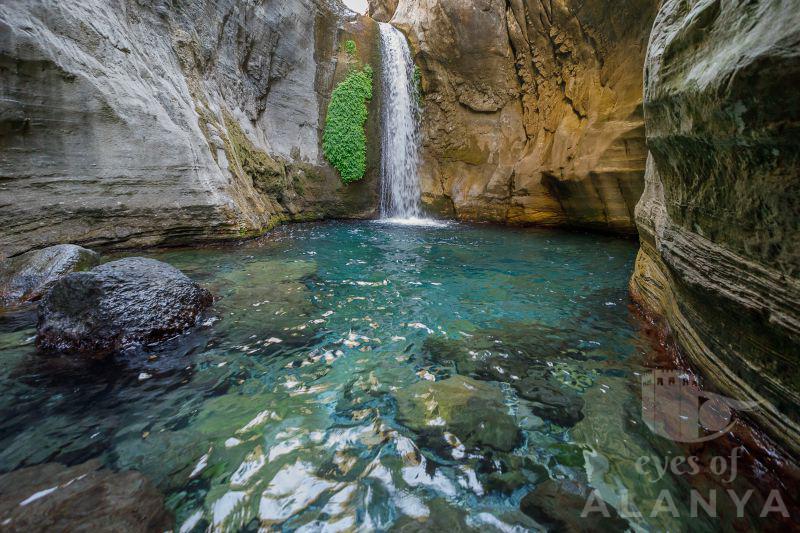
point(414, 221)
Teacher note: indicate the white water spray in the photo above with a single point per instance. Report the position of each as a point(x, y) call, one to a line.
point(400, 143)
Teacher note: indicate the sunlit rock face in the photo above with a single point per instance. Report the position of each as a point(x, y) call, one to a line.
point(532, 110)
point(169, 121)
point(719, 216)
point(382, 10)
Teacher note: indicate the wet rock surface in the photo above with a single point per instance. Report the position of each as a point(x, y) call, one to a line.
point(132, 300)
point(532, 110)
point(382, 10)
point(28, 276)
point(718, 220)
point(87, 497)
point(471, 410)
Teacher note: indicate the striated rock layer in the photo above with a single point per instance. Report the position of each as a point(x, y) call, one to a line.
point(719, 217)
point(131, 123)
point(532, 109)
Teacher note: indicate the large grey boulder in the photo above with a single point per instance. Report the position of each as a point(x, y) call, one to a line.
point(86, 497)
point(130, 301)
point(27, 276)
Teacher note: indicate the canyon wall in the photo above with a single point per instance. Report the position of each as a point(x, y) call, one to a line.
point(532, 108)
point(720, 255)
point(131, 123)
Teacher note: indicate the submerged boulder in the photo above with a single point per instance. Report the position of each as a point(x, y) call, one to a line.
point(133, 300)
point(552, 402)
point(559, 507)
point(471, 410)
point(53, 497)
point(28, 276)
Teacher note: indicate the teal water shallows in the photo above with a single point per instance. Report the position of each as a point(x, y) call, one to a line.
point(370, 376)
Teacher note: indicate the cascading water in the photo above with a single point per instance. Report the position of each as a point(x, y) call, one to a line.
point(400, 192)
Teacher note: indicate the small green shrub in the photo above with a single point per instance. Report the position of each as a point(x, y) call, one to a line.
point(350, 47)
point(418, 83)
point(344, 141)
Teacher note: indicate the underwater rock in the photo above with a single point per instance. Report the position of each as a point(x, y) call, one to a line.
point(507, 353)
point(555, 387)
point(471, 410)
point(87, 497)
point(441, 516)
point(28, 276)
point(551, 401)
point(559, 510)
point(133, 300)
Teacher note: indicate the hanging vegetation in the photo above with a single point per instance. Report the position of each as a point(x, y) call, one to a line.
point(344, 141)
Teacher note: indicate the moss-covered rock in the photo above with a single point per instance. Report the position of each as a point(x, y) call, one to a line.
point(268, 174)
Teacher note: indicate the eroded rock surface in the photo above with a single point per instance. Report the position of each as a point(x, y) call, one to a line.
point(170, 121)
point(28, 276)
point(382, 10)
point(133, 300)
point(53, 497)
point(532, 110)
point(719, 218)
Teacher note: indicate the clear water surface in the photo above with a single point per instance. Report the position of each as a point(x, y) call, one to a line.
point(302, 402)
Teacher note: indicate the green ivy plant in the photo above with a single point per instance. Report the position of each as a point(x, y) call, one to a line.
point(350, 47)
point(418, 83)
point(344, 141)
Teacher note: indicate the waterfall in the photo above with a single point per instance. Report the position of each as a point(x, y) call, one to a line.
point(400, 143)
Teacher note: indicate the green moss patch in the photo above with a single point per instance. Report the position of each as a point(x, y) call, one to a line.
point(268, 175)
point(417, 81)
point(344, 142)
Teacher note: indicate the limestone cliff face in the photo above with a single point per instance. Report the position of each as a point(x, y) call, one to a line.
point(130, 123)
point(720, 215)
point(532, 109)
point(382, 10)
